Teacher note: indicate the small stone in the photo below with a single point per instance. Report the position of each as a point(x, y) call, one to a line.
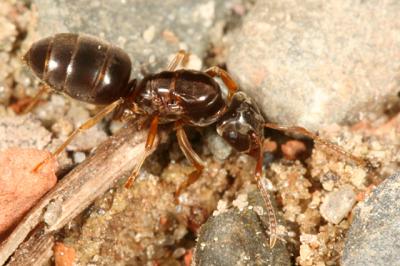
point(238, 238)
point(148, 34)
point(20, 187)
point(329, 180)
point(217, 145)
point(373, 238)
point(179, 252)
point(338, 204)
point(79, 157)
point(241, 202)
point(292, 149)
point(53, 211)
point(63, 255)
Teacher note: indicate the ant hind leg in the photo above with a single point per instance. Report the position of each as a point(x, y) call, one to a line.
point(191, 156)
point(85, 126)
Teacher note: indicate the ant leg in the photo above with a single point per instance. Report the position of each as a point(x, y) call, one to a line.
point(148, 147)
point(35, 100)
point(265, 195)
point(300, 130)
point(226, 78)
point(88, 124)
point(191, 156)
point(182, 57)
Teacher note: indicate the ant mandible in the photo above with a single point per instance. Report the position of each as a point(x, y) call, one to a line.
point(94, 71)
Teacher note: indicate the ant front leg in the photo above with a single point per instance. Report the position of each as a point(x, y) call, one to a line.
point(302, 131)
point(181, 58)
point(265, 194)
point(190, 155)
point(85, 126)
point(226, 78)
point(148, 147)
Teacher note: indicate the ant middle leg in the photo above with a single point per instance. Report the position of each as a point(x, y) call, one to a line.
point(85, 126)
point(191, 156)
point(148, 147)
point(339, 150)
point(226, 78)
point(181, 58)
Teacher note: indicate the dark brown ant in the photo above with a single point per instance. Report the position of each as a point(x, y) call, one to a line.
point(93, 71)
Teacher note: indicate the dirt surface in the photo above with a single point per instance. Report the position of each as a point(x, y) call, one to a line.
point(143, 225)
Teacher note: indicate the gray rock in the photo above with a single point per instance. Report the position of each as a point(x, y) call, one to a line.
point(237, 237)
point(374, 235)
point(315, 63)
point(150, 31)
point(338, 204)
point(24, 132)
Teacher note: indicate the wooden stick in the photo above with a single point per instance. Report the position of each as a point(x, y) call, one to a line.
point(35, 251)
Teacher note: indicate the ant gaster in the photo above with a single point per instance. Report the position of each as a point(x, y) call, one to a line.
point(93, 71)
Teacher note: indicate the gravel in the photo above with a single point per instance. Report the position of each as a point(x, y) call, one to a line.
point(338, 204)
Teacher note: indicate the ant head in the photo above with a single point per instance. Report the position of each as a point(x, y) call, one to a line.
point(242, 124)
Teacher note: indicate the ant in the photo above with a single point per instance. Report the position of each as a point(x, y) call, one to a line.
point(91, 70)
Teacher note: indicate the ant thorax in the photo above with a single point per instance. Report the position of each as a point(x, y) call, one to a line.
point(186, 95)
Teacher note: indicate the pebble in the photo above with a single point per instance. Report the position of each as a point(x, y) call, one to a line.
point(79, 157)
point(20, 188)
point(373, 238)
point(22, 131)
point(217, 145)
point(63, 255)
point(293, 149)
point(151, 31)
point(236, 237)
point(314, 64)
point(338, 204)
